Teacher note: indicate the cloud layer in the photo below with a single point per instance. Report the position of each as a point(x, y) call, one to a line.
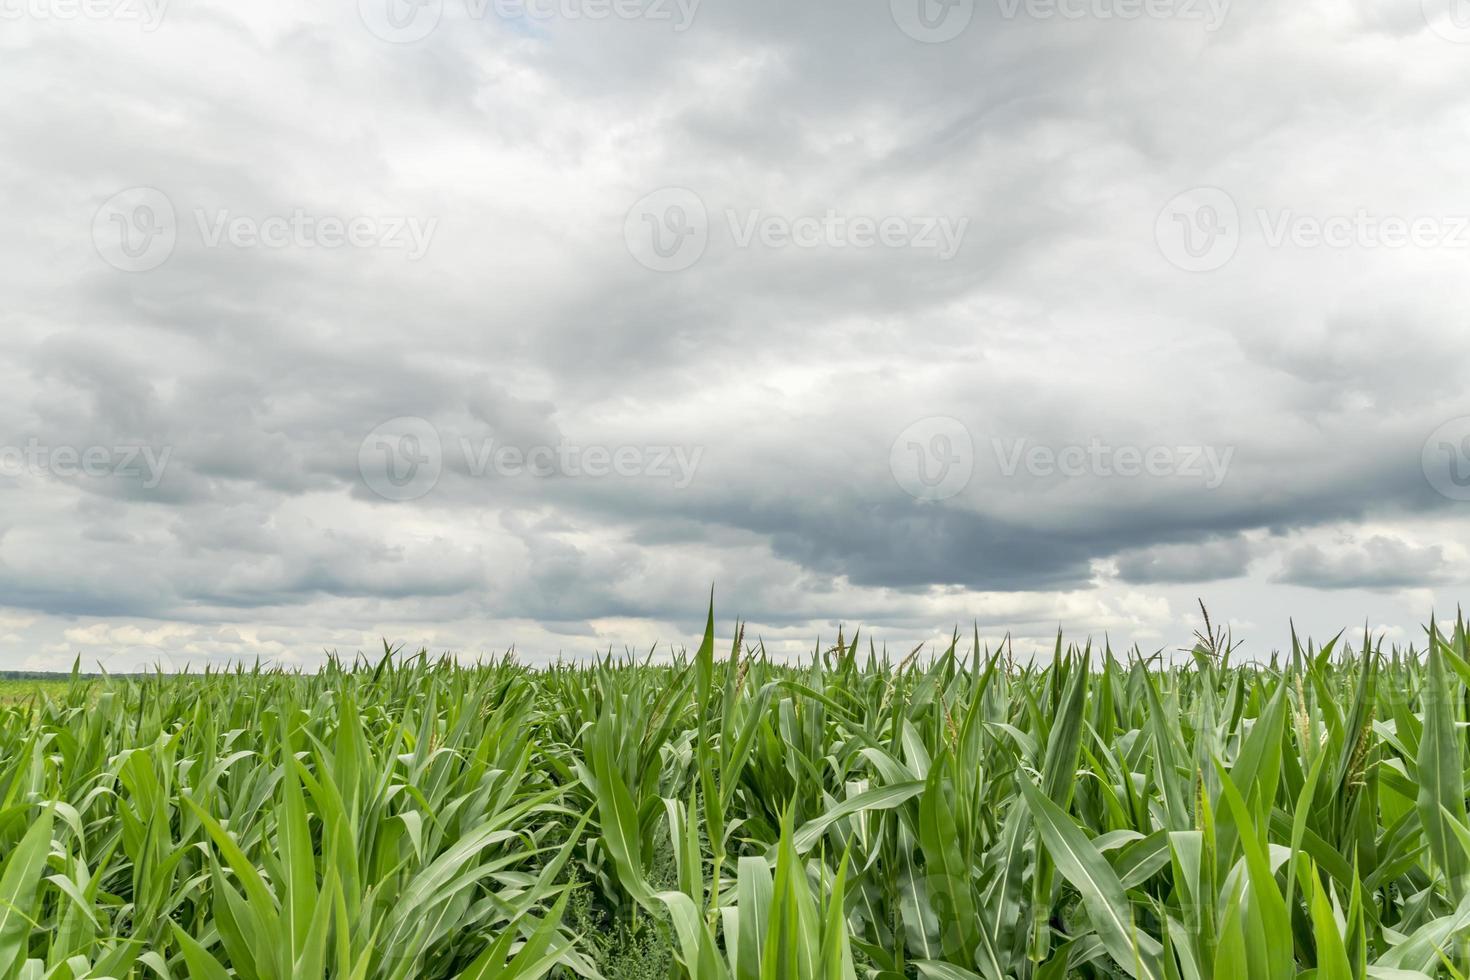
point(490, 324)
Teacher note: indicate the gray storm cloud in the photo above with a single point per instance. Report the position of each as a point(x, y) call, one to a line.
point(873, 285)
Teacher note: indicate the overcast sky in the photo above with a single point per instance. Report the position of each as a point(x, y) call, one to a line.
point(478, 324)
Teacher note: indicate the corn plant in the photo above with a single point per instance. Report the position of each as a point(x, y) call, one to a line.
point(953, 815)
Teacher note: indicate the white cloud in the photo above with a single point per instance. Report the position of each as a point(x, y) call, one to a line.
point(1060, 324)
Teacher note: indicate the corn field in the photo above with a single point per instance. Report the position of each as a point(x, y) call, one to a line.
point(951, 816)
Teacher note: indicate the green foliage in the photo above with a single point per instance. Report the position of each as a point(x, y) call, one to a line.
point(957, 817)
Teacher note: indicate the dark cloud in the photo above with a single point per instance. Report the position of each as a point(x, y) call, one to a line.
point(1378, 563)
point(788, 370)
point(1198, 561)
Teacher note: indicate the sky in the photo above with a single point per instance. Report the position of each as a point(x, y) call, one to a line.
point(482, 325)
